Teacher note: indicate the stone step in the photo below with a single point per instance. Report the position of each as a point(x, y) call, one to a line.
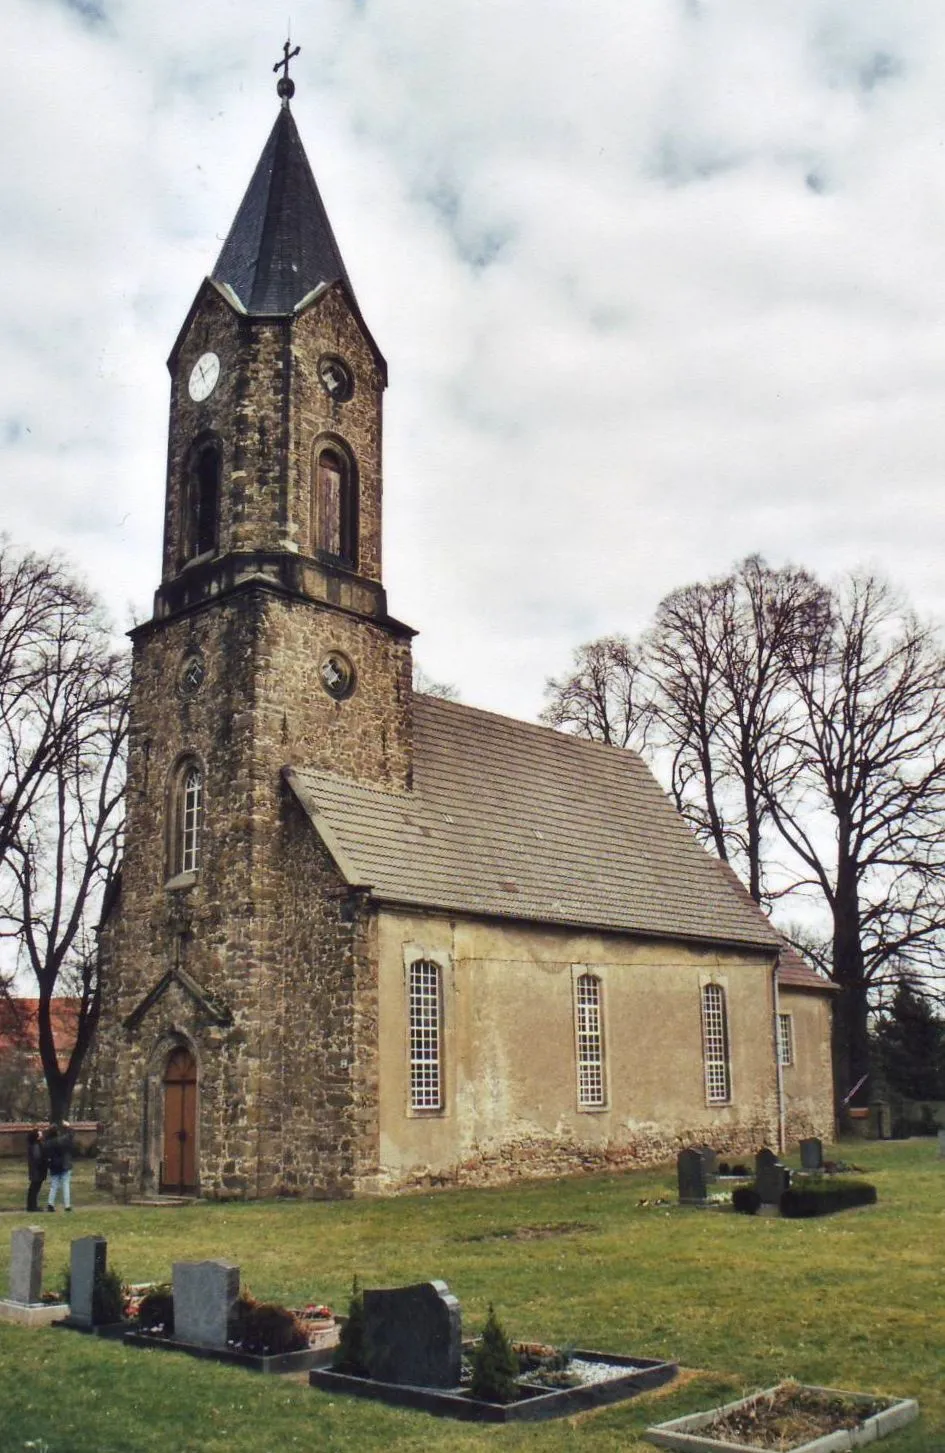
point(161, 1201)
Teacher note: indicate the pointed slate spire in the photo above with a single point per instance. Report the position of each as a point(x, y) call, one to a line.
point(281, 245)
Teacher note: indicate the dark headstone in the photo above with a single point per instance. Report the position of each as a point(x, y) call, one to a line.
point(812, 1154)
point(690, 1174)
point(204, 1294)
point(26, 1265)
point(771, 1177)
point(710, 1160)
point(413, 1335)
point(87, 1264)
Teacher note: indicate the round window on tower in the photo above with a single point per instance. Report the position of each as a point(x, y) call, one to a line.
point(191, 674)
point(336, 674)
point(336, 377)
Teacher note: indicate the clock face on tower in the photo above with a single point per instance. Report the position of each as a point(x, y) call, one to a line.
point(203, 377)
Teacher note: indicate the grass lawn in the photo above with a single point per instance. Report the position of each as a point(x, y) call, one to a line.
point(854, 1301)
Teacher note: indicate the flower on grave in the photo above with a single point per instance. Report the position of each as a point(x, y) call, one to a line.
point(317, 1312)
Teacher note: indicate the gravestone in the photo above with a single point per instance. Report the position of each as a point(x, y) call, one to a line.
point(709, 1160)
point(413, 1335)
point(690, 1174)
point(771, 1177)
point(812, 1154)
point(204, 1294)
point(26, 1265)
point(86, 1264)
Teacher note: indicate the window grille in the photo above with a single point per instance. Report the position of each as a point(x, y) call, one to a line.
point(590, 1042)
point(785, 1040)
point(426, 1091)
point(715, 1045)
point(191, 813)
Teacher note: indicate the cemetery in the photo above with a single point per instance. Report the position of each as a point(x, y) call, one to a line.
point(606, 1286)
point(817, 1188)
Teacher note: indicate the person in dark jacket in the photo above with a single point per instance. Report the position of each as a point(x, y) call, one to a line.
point(59, 1148)
point(35, 1167)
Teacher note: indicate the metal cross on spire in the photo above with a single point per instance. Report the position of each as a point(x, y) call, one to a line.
point(286, 85)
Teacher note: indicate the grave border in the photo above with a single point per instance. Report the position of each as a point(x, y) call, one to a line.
point(31, 1314)
point(302, 1361)
point(643, 1374)
point(683, 1435)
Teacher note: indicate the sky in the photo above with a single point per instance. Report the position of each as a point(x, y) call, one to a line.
point(659, 284)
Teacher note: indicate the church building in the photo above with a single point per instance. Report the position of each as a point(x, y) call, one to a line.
point(365, 939)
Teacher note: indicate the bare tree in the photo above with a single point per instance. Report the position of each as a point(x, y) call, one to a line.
point(63, 717)
point(703, 695)
point(802, 732)
point(606, 695)
point(425, 685)
point(864, 809)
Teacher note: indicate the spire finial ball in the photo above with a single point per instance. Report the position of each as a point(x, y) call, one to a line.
point(285, 87)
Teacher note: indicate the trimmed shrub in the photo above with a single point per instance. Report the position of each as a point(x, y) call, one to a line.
point(746, 1200)
point(351, 1352)
point(820, 1197)
point(494, 1364)
point(108, 1302)
point(156, 1312)
point(265, 1328)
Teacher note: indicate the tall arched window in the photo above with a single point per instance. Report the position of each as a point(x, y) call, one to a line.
point(718, 1083)
point(334, 501)
point(426, 1066)
point(201, 509)
point(186, 818)
point(191, 818)
point(589, 1028)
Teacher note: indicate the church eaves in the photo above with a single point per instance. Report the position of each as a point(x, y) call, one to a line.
point(281, 246)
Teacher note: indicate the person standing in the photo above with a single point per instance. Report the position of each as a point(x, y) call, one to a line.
point(59, 1150)
point(35, 1167)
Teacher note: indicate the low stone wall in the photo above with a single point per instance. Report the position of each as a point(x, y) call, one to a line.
point(13, 1135)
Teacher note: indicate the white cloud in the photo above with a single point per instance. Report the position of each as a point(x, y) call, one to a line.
point(658, 285)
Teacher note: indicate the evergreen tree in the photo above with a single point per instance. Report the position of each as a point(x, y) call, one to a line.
point(350, 1354)
point(910, 1045)
point(494, 1364)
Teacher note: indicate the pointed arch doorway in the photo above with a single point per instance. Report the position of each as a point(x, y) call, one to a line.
point(178, 1159)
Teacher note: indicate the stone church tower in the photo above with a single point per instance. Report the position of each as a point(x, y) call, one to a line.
point(236, 981)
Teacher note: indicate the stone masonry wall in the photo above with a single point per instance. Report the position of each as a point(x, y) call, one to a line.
point(267, 412)
point(261, 705)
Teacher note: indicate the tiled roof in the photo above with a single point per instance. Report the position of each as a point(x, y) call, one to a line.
point(281, 246)
point(519, 821)
point(795, 972)
point(19, 1023)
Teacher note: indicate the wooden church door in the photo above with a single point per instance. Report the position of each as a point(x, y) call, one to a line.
point(180, 1122)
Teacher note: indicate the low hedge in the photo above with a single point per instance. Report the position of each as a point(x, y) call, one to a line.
point(822, 1196)
point(746, 1200)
